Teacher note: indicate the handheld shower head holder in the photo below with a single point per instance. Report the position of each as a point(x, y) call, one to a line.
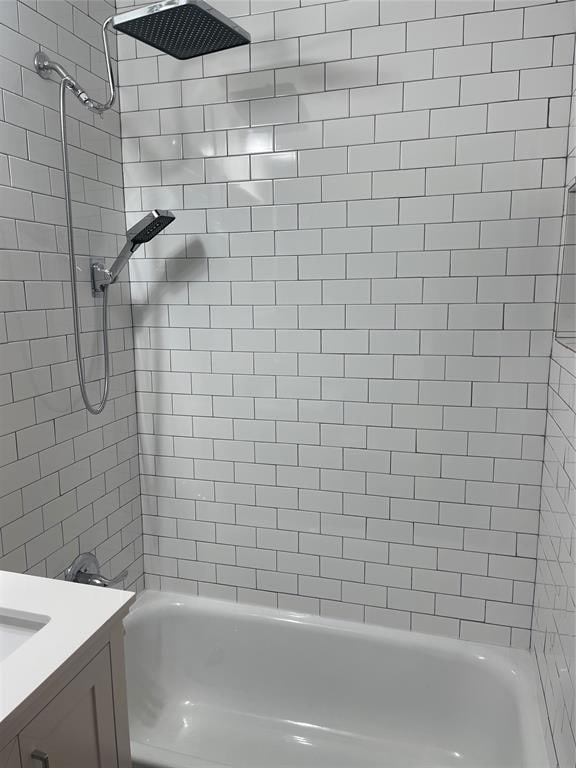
point(145, 230)
point(100, 278)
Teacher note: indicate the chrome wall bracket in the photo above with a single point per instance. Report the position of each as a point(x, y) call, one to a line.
point(41, 64)
point(100, 277)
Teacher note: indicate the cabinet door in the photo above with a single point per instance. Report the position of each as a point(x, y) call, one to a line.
point(10, 756)
point(76, 729)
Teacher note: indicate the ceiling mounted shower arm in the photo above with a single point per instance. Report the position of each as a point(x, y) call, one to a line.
point(45, 66)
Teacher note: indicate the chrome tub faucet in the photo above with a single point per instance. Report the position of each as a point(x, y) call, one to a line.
point(85, 569)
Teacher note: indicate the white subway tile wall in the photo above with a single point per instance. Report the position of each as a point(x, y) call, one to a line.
point(342, 344)
point(69, 482)
point(554, 621)
point(553, 634)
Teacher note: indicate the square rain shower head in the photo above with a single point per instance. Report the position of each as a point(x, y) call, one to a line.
point(181, 28)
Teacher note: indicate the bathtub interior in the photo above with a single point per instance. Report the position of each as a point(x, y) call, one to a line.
point(254, 689)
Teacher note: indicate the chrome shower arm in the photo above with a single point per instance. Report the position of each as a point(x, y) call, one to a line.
point(44, 66)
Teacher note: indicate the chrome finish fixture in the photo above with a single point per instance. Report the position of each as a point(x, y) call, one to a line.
point(45, 66)
point(42, 758)
point(142, 232)
point(42, 65)
point(100, 278)
point(183, 29)
point(94, 408)
point(85, 569)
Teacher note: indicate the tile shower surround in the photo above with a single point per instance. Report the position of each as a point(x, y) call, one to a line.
point(554, 619)
point(553, 628)
point(321, 424)
point(69, 481)
point(330, 348)
point(342, 343)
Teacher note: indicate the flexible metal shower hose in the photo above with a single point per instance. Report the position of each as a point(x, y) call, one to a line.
point(98, 407)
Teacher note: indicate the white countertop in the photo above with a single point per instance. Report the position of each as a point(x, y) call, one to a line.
point(75, 612)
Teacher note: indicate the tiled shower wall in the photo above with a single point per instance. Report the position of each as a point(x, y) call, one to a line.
point(342, 343)
point(69, 481)
point(554, 623)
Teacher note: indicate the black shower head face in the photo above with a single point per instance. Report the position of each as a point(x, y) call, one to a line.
point(147, 228)
point(150, 226)
point(181, 28)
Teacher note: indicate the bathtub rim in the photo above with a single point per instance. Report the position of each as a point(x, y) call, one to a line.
point(516, 668)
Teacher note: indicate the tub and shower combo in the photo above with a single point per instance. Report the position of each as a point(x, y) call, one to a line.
point(215, 684)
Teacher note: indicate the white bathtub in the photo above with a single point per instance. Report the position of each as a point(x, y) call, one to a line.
point(218, 684)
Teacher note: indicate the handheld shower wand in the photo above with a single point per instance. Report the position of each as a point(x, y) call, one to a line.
point(146, 229)
point(183, 29)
